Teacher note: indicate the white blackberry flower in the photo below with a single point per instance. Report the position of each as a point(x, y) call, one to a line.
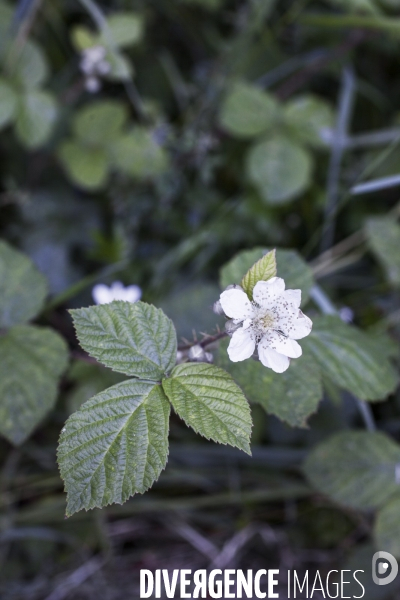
point(102, 294)
point(272, 323)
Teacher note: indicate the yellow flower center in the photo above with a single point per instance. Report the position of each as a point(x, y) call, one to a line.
point(267, 321)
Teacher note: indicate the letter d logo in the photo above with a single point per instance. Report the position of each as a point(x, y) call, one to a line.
point(382, 567)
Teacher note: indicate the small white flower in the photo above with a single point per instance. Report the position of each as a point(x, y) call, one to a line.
point(92, 85)
point(94, 65)
point(272, 323)
point(90, 58)
point(102, 294)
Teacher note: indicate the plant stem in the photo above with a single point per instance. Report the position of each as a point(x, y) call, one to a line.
point(342, 125)
point(206, 341)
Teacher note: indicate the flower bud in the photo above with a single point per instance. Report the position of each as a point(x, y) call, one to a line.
point(209, 357)
point(231, 326)
point(197, 354)
point(217, 308)
point(180, 356)
point(92, 85)
point(346, 314)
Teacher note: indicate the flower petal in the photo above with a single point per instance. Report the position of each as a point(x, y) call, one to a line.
point(236, 304)
point(282, 344)
point(133, 293)
point(293, 296)
point(102, 294)
point(272, 359)
point(117, 291)
point(241, 345)
point(266, 291)
point(301, 327)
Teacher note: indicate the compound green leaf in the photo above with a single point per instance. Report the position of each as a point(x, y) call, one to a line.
point(351, 359)
point(291, 396)
point(115, 446)
point(280, 169)
point(355, 468)
point(36, 118)
point(22, 287)
point(290, 266)
point(307, 117)
point(31, 68)
point(134, 339)
point(209, 401)
point(137, 154)
point(383, 237)
point(123, 29)
point(387, 527)
point(247, 111)
point(262, 270)
point(97, 123)
point(8, 103)
point(87, 167)
point(31, 361)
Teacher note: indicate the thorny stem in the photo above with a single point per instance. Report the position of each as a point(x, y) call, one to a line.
point(206, 341)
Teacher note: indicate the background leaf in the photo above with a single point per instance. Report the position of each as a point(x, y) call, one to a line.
point(262, 270)
point(209, 401)
point(383, 237)
point(280, 169)
point(31, 68)
point(351, 359)
point(355, 468)
point(98, 123)
point(82, 38)
point(137, 154)
point(125, 29)
point(387, 527)
point(35, 118)
point(247, 111)
point(87, 167)
point(22, 287)
point(307, 117)
point(290, 266)
point(291, 396)
point(31, 361)
point(8, 103)
point(121, 67)
point(134, 339)
point(115, 446)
